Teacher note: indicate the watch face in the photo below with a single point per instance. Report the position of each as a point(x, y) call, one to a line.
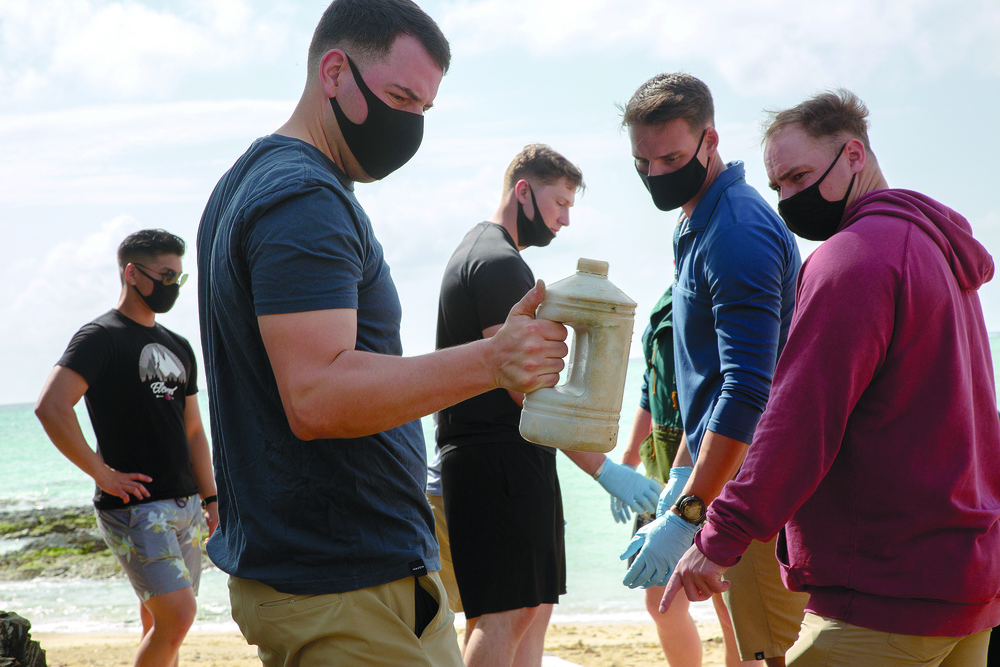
point(692, 509)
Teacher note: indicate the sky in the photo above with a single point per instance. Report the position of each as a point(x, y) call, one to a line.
point(122, 115)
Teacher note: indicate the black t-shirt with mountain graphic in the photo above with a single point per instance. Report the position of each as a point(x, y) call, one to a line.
point(138, 381)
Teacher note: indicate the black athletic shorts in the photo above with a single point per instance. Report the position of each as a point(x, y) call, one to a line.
point(505, 522)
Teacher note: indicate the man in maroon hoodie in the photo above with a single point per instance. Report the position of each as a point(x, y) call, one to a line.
point(882, 422)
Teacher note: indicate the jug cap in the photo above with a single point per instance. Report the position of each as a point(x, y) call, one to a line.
point(595, 266)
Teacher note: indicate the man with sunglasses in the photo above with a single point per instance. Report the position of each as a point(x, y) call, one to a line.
point(153, 462)
point(735, 266)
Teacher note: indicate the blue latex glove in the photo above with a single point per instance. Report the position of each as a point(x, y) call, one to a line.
point(629, 490)
point(618, 509)
point(672, 491)
point(660, 545)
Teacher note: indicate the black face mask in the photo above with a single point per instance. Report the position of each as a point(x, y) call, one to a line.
point(162, 298)
point(810, 216)
point(532, 232)
point(677, 188)
point(386, 139)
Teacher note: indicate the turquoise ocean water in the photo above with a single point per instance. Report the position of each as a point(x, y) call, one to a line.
point(34, 474)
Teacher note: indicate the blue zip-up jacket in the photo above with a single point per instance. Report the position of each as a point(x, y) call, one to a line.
point(736, 266)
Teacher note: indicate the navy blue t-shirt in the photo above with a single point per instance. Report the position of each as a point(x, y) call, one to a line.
point(284, 233)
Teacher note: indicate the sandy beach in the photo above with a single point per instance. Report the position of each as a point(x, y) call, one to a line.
point(586, 644)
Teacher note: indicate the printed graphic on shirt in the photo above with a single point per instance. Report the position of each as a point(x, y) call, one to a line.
point(161, 367)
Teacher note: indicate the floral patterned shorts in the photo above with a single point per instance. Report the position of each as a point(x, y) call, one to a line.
point(158, 544)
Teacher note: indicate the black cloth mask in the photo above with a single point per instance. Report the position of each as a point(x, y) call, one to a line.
point(386, 139)
point(532, 232)
point(677, 188)
point(810, 216)
point(162, 298)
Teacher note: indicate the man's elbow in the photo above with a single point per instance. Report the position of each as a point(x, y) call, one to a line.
point(302, 429)
point(315, 423)
point(196, 435)
point(45, 409)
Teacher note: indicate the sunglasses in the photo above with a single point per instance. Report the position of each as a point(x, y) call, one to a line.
point(167, 277)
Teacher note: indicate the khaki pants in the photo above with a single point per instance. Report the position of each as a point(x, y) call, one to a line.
point(766, 615)
point(827, 642)
point(447, 569)
point(372, 626)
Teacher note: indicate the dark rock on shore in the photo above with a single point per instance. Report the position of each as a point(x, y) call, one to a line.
point(58, 542)
point(16, 647)
point(46, 520)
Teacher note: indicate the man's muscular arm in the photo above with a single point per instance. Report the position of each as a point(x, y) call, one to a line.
point(330, 390)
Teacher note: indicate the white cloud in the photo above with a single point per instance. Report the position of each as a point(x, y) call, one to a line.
point(127, 49)
point(761, 47)
point(118, 153)
point(46, 299)
point(70, 274)
point(550, 27)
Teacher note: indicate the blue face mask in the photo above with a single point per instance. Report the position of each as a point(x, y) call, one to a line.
point(386, 139)
point(810, 216)
point(670, 191)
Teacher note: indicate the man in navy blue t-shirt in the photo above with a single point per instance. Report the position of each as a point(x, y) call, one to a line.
point(320, 459)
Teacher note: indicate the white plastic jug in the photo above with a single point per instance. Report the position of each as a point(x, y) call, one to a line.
point(582, 414)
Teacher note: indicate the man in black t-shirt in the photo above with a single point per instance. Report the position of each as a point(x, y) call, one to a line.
point(502, 502)
point(152, 459)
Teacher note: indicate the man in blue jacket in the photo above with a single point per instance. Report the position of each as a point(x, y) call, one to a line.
point(734, 284)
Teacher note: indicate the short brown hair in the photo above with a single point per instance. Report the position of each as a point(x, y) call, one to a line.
point(667, 97)
point(544, 164)
point(829, 114)
point(369, 28)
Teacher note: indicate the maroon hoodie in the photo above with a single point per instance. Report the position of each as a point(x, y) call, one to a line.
point(879, 450)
